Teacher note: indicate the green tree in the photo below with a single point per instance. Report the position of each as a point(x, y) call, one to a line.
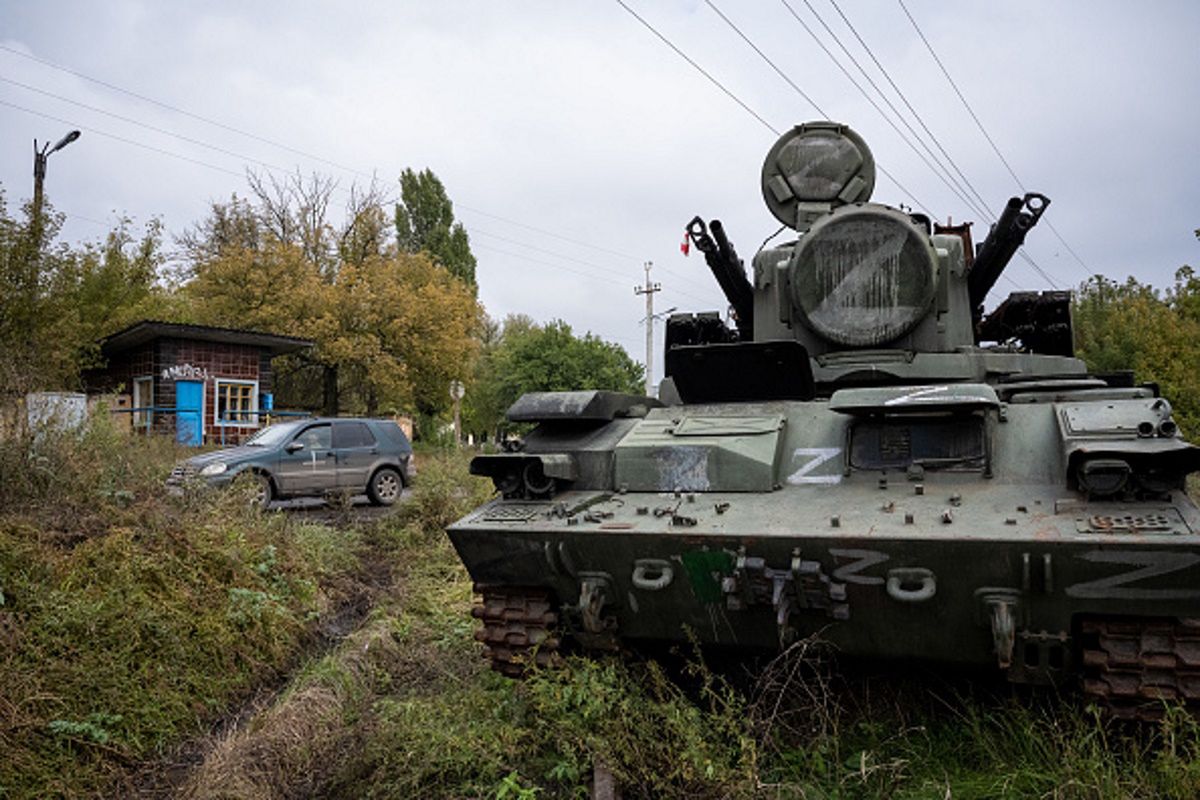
point(425, 222)
point(1130, 325)
point(56, 301)
point(526, 357)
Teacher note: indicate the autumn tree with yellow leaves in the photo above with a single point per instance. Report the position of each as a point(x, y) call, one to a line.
point(391, 329)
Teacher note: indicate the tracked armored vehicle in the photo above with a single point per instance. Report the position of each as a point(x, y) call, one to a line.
point(864, 455)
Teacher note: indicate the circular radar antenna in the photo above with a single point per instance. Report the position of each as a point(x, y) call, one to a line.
point(863, 275)
point(813, 169)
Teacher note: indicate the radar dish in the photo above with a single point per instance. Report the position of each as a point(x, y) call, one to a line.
point(817, 162)
point(863, 276)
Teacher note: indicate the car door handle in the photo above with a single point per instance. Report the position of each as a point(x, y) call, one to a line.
point(374, 451)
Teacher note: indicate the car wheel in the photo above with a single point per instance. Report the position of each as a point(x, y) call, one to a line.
point(385, 487)
point(264, 492)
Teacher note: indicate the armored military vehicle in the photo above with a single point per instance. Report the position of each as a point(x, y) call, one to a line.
point(862, 455)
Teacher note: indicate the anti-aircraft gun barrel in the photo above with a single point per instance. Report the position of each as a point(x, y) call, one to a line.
point(727, 268)
point(1019, 217)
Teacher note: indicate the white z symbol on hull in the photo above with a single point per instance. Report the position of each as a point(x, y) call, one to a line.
point(1150, 565)
point(817, 456)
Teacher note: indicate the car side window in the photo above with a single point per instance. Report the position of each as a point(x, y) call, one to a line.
point(316, 437)
point(352, 434)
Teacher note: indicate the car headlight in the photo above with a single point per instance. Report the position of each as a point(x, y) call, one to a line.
point(214, 469)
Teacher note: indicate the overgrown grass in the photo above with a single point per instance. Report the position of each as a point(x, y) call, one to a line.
point(127, 618)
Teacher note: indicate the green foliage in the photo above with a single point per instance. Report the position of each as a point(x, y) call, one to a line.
point(1157, 335)
point(96, 728)
point(526, 357)
point(56, 301)
point(425, 223)
point(976, 746)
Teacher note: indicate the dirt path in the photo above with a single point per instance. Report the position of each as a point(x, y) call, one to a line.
point(353, 597)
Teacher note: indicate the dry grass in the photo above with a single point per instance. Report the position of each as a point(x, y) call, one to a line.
point(287, 750)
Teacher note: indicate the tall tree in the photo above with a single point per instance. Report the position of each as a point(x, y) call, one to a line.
point(527, 357)
point(425, 222)
point(391, 329)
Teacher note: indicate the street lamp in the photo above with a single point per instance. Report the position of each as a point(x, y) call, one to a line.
point(39, 167)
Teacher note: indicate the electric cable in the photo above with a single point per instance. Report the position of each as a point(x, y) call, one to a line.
point(145, 125)
point(699, 68)
point(571, 258)
point(812, 102)
point(178, 110)
point(904, 99)
point(240, 156)
point(925, 159)
point(991, 142)
point(115, 137)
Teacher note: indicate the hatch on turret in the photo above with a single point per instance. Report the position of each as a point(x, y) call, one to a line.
point(814, 168)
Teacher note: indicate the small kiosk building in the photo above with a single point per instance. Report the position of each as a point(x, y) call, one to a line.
point(198, 382)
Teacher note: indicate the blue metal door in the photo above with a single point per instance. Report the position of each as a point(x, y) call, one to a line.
point(189, 413)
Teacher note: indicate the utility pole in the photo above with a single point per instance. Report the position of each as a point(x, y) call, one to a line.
point(40, 157)
point(649, 289)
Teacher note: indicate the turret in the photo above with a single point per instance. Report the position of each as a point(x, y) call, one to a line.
point(864, 285)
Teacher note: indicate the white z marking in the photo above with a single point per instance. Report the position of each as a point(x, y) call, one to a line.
point(1150, 564)
point(817, 456)
point(864, 559)
point(920, 395)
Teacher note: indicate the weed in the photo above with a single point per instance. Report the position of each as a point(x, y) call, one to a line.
point(96, 727)
point(511, 788)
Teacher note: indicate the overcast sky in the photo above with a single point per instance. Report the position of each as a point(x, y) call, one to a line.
point(575, 143)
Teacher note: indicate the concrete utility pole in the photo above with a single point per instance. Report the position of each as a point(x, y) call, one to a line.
point(649, 289)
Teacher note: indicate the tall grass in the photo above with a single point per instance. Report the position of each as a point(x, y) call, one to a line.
point(128, 619)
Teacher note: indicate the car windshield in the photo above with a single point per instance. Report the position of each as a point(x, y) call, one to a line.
point(273, 435)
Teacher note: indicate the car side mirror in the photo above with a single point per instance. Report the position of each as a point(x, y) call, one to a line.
point(294, 447)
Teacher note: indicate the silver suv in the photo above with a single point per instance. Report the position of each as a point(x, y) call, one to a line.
point(312, 457)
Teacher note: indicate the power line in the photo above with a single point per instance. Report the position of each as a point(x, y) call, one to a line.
point(699, 68)
point(572, 259)
point(931, 165)
point(771, 63)
point(546, 232)
point(527, 259)
point(803, 94)
point(983, 212)
point(117, 138)
point(568, 239)
point(207, 145)
point(982, 204)
point(979, 124)
point(950, 184)
point(1037, 267)
point(909, 105)
point(145, 125)
point(178, 110)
